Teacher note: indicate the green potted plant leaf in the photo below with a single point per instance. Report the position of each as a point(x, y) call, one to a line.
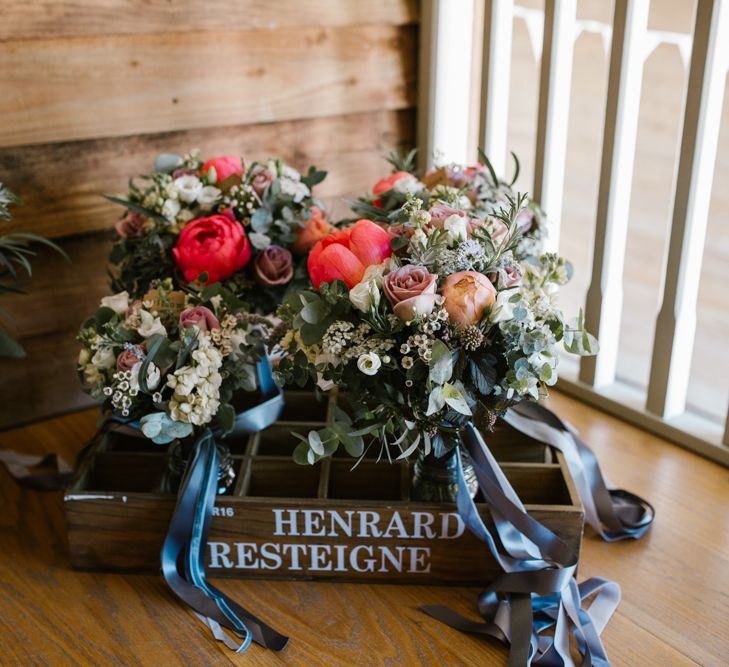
point(15, 259)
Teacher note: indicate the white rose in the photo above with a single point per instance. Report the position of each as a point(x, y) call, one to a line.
point(207, 197)
point(188, 187)
point(150, 325)
point(457, 228)
point(408, 185)
point(153, 376)
point(369, 363)
point(103, 358)
point(117, 302)
point(170, 209)
point(365, 295)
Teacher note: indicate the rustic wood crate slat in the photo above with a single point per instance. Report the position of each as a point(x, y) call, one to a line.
point(327, 521)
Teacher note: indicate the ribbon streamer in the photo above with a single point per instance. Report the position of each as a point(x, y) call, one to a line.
point(537, 592)
point(42, 473)
point(183, 551)
point(614, 513)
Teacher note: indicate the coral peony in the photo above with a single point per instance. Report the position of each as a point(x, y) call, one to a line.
point(344, 255)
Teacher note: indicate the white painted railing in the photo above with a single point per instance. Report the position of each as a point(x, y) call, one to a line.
point(553, 33)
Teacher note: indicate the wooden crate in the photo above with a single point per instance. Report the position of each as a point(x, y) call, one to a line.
point(282, 520)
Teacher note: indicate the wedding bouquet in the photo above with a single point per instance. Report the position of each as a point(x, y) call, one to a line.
point(172, 361)
point(453, 189)
point(426, 326)
point(218, 220)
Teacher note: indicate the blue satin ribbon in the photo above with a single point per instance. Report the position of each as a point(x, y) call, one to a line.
point(537, 592)
point(183, 551)
point(615, 514)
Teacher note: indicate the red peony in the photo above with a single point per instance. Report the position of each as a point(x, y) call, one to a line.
point(225, 166)
point(344, 255)
point(216, 245)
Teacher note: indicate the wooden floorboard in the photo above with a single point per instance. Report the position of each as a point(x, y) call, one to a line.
point(675, 581)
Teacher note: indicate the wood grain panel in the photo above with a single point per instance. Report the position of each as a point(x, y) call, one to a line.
point(78, 17)
point(102, 86)
point(62, 184)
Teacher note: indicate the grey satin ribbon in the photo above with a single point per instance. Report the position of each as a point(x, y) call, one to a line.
point(614, 513)
point(42, 473)
point(537, 592)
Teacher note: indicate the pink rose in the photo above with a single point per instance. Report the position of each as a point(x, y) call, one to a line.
point(262, 178)
point(224, 166)
point(131, 225)
point(525, 220)
point(466, 295)
point(496, 228)
point(439, 213)
point(129, 357)
point(410, 291)
point(274, 266)
point(200, 317)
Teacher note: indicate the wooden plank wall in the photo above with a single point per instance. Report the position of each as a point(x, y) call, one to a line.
point(93, 90)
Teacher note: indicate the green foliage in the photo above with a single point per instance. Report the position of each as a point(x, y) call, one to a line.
point(16, 252)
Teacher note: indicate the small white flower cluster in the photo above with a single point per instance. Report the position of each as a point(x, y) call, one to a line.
point(122, 392)
point(242, 199)
point(175, 198)
point(196, 396)
point(346, 342)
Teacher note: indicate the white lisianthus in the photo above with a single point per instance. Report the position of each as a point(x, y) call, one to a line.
point(153, 376)
point(207, 197)
point(408, 185)
point(104, 358)
point(295, 189)
point(188, 187)
point(369, 363)
point(289, 172)
point(117, 302)
point(170, 209)
point(150, 325)
point(365, 295)
point(504, 309)
point(457, 228)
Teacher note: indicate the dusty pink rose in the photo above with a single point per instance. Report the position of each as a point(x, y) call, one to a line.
point(466, 295)
point(262, 178)
point(509, 276)
point(131, 225)
point(274, 266)
point(439, 213)
point(410, 291)
point(200, 317)
point(128, 358)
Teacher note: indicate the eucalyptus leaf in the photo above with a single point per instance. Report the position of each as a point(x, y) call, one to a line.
point(441, 363)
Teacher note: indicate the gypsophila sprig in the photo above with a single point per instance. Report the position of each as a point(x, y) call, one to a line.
point(172, 360)
point(425, 326)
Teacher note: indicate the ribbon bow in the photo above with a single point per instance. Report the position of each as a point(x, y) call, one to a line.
point(537, 591)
